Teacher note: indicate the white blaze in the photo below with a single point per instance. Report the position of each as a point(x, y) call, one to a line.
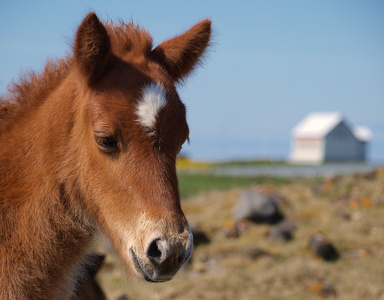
point(148, 107)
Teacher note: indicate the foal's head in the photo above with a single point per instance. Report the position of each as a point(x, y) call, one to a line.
point(134, 126)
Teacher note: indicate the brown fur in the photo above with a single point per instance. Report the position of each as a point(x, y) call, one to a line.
point(57, 188)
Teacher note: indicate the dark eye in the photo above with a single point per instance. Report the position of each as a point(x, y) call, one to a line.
point(106, 143)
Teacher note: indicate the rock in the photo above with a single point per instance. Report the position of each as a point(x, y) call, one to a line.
point(321, 288)
point(327, 186)
point(231, 230)
point(323, 248)
point(282, 231)
point(361, 252)
point(199, 237)
point(234, 229)
point(346, 216)
point(359, 202)
point(257, 208)
point(243, 225)
point(257, 253)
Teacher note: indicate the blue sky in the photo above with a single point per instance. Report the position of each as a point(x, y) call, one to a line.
point(271, 63)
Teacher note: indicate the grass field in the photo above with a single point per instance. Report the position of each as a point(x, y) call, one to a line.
point(194, 177)
point(194, 184)
point(348, 210)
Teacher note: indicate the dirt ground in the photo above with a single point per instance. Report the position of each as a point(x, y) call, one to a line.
point(347, 210)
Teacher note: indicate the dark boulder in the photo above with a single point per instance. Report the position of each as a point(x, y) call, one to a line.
point(322, 248)
point(282, 231)
point(257, 207)
point(199, 236)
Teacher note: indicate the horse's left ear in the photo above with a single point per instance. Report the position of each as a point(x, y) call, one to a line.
point(180, 55)
point(92, 48)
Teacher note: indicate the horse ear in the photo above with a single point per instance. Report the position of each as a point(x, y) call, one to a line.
point(181, 54)
point(92, 48)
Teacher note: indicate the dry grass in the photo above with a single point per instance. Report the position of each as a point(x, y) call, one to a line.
point(348, 210)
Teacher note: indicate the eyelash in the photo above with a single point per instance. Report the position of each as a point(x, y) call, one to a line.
point(106, 143)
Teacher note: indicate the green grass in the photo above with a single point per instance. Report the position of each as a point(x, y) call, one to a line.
point(193, 184)
point(248, 163)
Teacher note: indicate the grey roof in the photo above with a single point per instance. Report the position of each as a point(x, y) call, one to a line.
point(319, 124)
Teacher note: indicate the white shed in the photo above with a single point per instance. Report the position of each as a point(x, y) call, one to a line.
point(324, 137)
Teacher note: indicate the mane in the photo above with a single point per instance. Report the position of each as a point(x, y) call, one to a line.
point(129, 38)
point(32, 89)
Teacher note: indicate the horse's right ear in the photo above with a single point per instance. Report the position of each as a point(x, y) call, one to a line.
point(92, 48)
point(182, 53)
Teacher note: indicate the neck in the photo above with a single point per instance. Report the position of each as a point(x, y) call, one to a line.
point(43, 232)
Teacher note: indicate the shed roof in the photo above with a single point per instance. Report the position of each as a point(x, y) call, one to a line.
point(317, 125)
point(362, 133)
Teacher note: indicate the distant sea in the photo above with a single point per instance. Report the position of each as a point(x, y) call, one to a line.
point(328, 169)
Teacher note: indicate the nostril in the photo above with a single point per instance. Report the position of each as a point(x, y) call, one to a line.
point(154, 251)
